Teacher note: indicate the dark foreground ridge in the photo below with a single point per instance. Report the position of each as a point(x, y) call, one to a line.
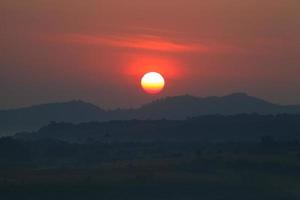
point(246, 156)
point(212, 128)
point(172, 108)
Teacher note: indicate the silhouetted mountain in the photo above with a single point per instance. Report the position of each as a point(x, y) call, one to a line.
point(34, 117)
point(178, 107)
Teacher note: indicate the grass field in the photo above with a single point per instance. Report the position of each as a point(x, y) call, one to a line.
point(215, 176)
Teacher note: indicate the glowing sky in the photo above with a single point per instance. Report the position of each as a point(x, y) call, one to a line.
point(97, 50)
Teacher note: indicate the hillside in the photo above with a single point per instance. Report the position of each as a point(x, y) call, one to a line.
point(173, 108)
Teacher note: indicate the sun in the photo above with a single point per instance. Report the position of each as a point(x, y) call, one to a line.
point(153, 82)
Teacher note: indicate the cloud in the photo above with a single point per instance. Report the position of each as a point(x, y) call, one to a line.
point(142, 42)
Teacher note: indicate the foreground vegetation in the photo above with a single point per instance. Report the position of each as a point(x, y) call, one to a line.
point(264, 170)
point(210, 157)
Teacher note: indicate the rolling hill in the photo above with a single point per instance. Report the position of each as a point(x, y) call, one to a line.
point(173, 108)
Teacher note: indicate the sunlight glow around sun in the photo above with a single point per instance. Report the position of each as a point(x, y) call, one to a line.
point(152, 82)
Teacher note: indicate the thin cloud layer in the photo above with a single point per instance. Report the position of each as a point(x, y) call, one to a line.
point(141, 42)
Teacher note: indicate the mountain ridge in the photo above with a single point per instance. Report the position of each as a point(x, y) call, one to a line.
point(173, 108)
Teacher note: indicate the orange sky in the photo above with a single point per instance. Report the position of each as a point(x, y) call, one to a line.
point(97, 50)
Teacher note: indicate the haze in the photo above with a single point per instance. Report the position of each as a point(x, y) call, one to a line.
point(57, 50)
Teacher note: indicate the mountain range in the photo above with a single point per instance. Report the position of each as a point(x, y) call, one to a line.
point(172, 108)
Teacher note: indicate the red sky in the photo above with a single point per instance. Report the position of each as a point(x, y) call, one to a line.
point(97, 50)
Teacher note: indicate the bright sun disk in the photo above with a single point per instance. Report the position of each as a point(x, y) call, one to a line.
point(152, 82)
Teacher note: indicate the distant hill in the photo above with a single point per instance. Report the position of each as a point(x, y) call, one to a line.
point(177, 107)
point(34, 117)
point(181, 107)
